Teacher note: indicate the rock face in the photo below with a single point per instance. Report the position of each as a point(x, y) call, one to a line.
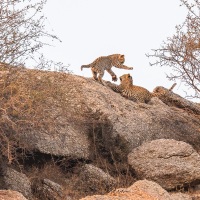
point(11, 195)
point(63, 144)
point(60, 109)
point(168, 162)
point(46, 113)
point(136, 123)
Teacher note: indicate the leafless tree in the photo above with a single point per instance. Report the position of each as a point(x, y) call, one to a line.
point(22, 34)
point(181, 52)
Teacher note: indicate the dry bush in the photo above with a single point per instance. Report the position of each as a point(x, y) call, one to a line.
point(181, 51)
point(24, 99)
point(109, 153)
point(23, 33)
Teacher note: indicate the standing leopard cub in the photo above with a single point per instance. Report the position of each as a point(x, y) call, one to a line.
point(99, 65)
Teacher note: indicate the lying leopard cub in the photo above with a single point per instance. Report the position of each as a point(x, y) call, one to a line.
point(99, 65)
point(130, 91)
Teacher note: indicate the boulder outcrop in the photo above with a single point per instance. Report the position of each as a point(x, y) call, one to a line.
point(54, 112)
point(70, 121)
point(168, 162)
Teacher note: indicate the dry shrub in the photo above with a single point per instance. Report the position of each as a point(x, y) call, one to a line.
point(25, 99)
point(57, 170)
point(109, 153)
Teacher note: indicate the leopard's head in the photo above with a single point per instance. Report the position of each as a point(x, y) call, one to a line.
point(126, 80)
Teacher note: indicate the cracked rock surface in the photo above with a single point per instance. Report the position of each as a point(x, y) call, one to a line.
point(168, 162)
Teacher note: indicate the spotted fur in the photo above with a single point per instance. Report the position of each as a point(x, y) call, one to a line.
point(140, 94)
point(99, 65)
point(130, 91)
point(114, 87)
point(133, 92)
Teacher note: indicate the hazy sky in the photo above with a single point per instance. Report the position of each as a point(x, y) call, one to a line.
point(92, 28)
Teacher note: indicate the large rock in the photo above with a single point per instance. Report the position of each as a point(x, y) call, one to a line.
point(168, 162)
point(195, 196)
point(140, 190)
point(136, 122)
point(181, 196)
point(68, 142)
point(47, 189)
point(54, 112)
point(11, 195)
point(46, 113)
point(17, 181)
point(94, 179)
point(151, 188)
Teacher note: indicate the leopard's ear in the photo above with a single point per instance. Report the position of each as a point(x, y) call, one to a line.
point(129, 75)
point(120, 78)
point(122, 56)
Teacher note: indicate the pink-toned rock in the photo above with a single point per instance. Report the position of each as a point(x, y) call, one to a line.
point(140, 190)
point(181, 196)
point(11, 195)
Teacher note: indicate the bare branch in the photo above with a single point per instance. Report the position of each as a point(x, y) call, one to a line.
point(181, 52)
point(22, 32)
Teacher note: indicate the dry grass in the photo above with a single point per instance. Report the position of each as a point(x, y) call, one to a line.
point(109, 154)
point(26, 99)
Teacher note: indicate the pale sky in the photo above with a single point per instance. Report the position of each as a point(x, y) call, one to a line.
point(92, 28)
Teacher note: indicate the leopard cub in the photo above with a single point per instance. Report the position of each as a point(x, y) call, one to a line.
point(130, 91)
point(133, 92)
point(99, 65)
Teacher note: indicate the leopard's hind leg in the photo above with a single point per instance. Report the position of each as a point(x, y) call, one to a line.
point(94, 73)
point(101, 73)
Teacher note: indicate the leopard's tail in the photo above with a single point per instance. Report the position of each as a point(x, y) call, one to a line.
point(85, 66)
